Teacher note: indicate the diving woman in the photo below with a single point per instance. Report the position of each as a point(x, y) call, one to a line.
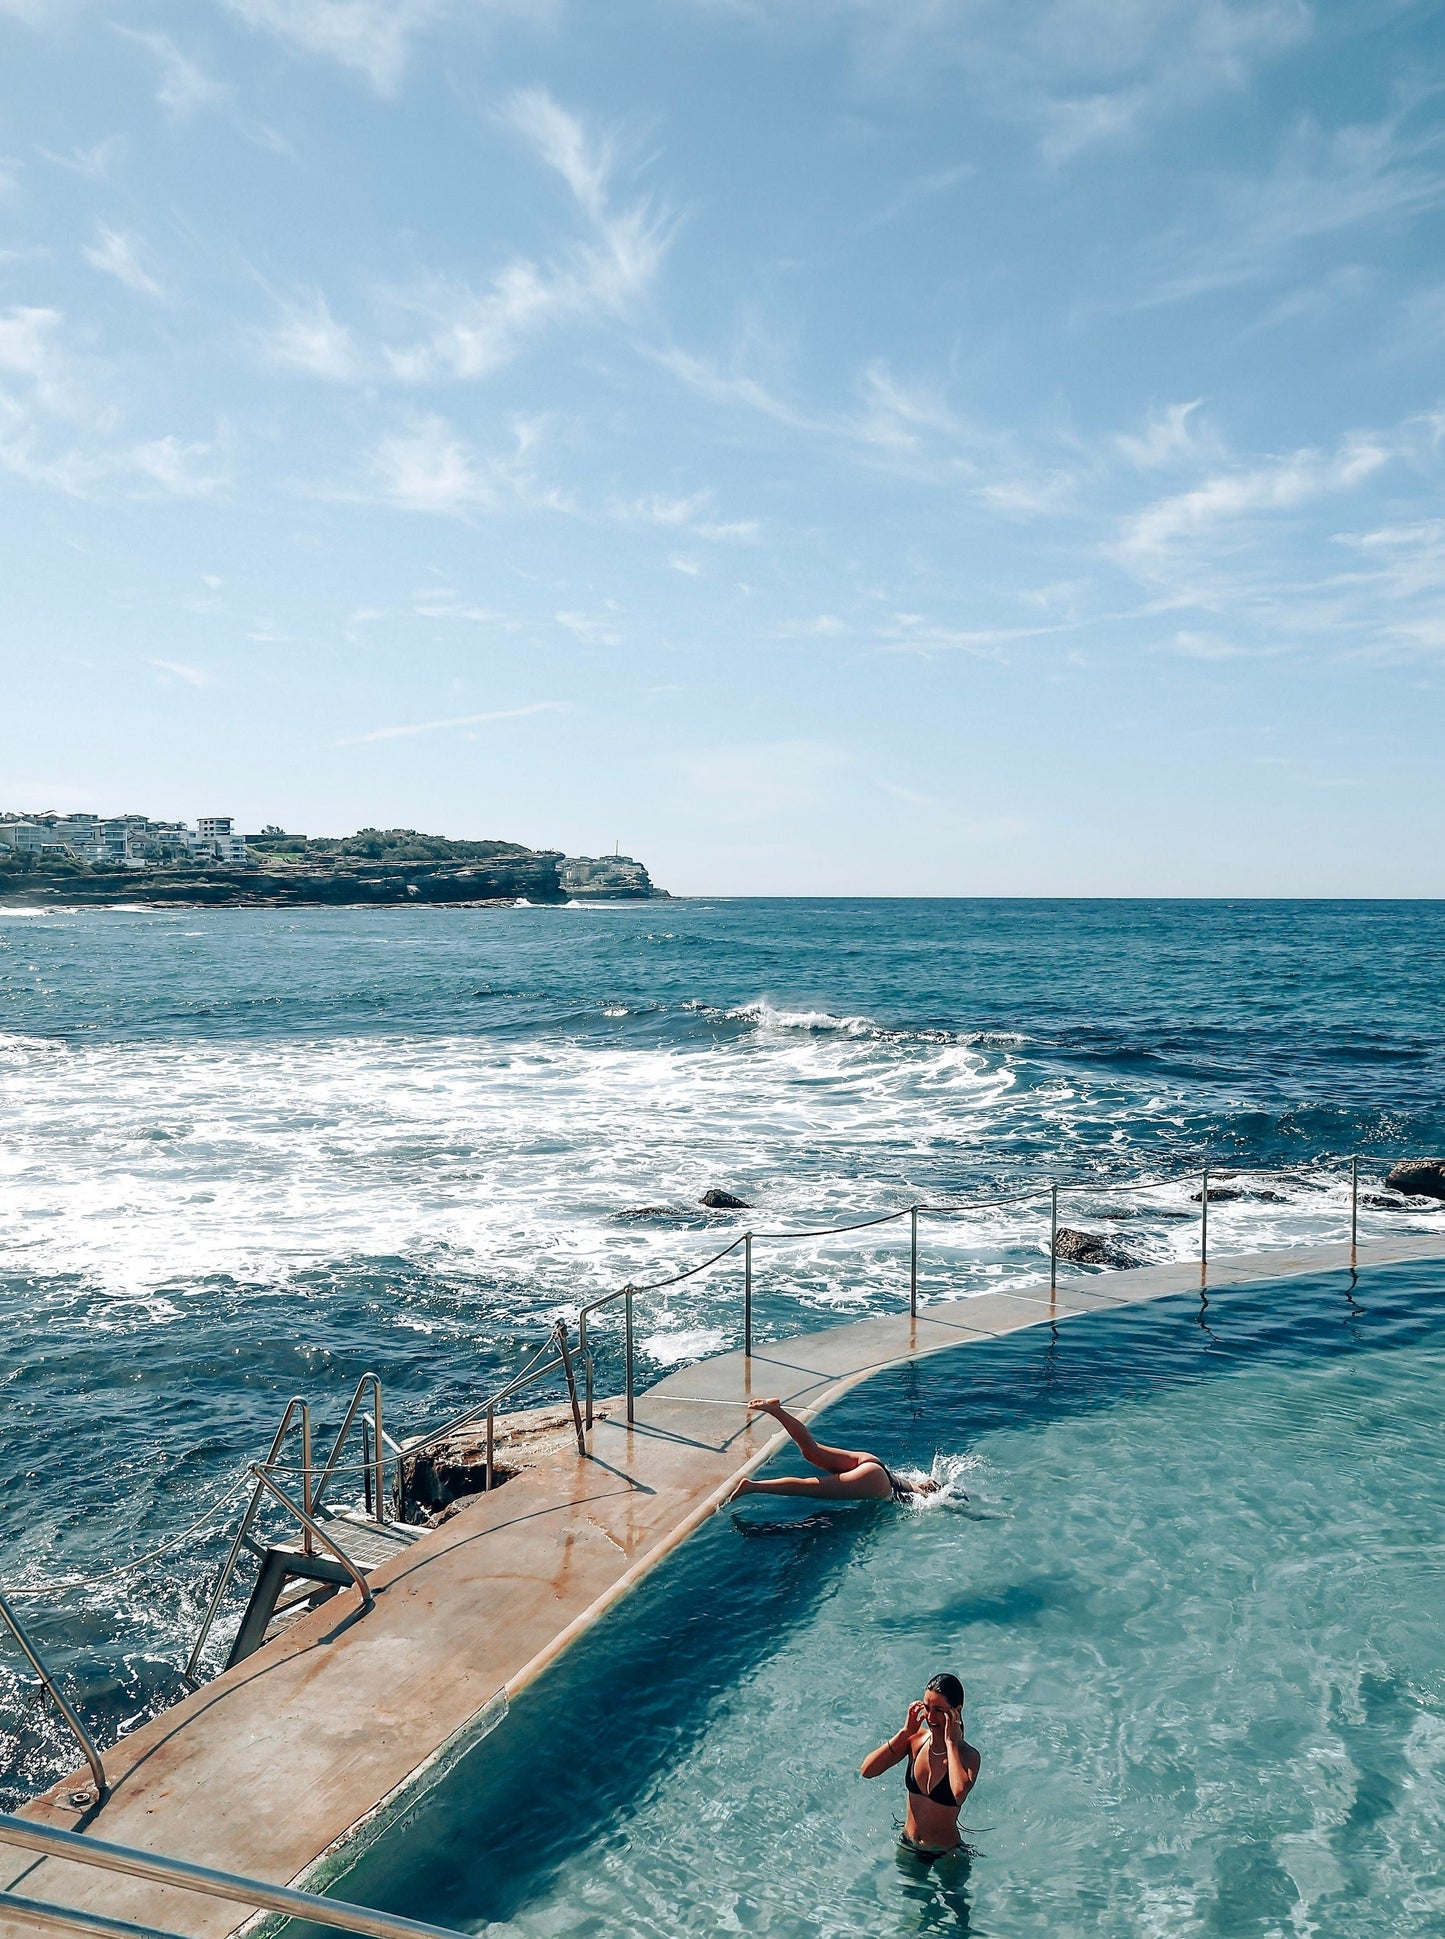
point(848, 1474)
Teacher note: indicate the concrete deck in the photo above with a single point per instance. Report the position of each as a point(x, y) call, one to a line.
point(281, 1765)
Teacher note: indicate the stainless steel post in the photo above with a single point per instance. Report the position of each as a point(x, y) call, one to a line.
point(586, 1359)
point(491, 1447)
point(571, 1386)
point(1204, 1220)
point(748, 1295)
point(78, 1730)
point(379, 1453)
point(306, 1541)
point(913, 1269)
point(627, 1326)
point(1354, 1201)
point(366, 1463)
point(1053, 1239)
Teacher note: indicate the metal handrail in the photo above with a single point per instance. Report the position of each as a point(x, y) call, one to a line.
point(376, 1466)
point(296, 1405)
point(202, 1879)
point(1050, 1192)
point(57, 1697)
point(315, 1528)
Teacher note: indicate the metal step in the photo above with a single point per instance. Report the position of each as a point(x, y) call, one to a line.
point(270, 1610)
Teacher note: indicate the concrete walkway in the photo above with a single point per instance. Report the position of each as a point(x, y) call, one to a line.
point(278, 1767)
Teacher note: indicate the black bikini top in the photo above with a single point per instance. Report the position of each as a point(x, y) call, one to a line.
point(942, 1792)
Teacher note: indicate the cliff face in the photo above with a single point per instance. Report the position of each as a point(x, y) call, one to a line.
point(530, 875)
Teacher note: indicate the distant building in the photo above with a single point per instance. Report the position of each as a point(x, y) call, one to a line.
point(217, 834)
point(584, 875)
point(125, 841)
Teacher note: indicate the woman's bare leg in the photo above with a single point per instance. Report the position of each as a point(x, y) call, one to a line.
point(867, 1482)
point(830, 1460)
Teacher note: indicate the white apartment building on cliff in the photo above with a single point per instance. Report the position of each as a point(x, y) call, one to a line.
point(125, 841)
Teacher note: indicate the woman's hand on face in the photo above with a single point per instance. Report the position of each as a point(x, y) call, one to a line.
point(914, 1721)
point(953, 1728)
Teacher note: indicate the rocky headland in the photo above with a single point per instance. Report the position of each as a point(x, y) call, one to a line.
point(373, 868)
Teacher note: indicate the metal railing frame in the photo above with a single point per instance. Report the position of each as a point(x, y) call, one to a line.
point(57, 1696)
point(73, 1847)
point(374, 1468)
point(296, 1405)
point(629, 1293)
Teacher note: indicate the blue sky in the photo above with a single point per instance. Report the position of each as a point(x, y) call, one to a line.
point(826, 446)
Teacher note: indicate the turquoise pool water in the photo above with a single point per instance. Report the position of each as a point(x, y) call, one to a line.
point(1194, 1596)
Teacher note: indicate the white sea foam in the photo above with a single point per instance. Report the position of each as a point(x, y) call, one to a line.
point(135, 1168)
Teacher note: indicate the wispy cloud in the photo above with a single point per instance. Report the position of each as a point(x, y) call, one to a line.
point(429, 466)
point(606, 273)
point(1076, 74)
point(373, 38)
point(61, 426)
point(192, 676)
point(117, 254)
point(693, 514)
point(1172, 436)
point(441, 330)
point(457, 720)
point(1153, 540)
point(592, 629)
point(184, 87)
point(1323, 182)
point(307, 338)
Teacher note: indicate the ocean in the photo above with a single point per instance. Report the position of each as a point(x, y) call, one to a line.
point(253, 1153)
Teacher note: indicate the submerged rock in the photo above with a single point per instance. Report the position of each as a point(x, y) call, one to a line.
point(1088, 1249)
point(1378, 1202)
point(1218, 1194)
point(720, 1201)
point(1419, 1177)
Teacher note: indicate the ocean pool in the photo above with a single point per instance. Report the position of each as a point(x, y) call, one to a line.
point(1194, 1595)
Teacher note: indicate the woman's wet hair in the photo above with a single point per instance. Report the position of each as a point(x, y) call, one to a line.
point(948, 1687)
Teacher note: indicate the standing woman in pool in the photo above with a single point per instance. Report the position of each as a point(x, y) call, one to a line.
point(940, 1769)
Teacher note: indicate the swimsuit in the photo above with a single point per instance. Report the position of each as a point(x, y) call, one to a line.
point(942, 1792)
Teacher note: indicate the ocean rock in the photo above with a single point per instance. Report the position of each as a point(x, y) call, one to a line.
point(448, 1472)
point(1088, 1249)
point(1377, 1202)
point(720, 1201)
point(1418, 1177)
point(1218, 1194)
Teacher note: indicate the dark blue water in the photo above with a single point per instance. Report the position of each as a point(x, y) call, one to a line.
point(252, 1153)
